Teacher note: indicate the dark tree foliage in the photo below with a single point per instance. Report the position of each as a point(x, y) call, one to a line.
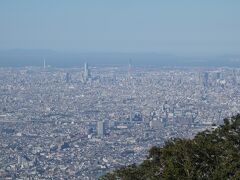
point(211, 155)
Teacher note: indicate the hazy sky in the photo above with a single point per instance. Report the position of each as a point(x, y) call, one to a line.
point(165, 26)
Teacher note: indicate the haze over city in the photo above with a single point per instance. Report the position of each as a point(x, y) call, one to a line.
point(175, 27)
point(128, 90)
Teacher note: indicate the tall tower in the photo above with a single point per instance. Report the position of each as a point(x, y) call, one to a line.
point(130, 64)
point(85, 67)
point(86, 74)
point(44, 63)
point(130, 69)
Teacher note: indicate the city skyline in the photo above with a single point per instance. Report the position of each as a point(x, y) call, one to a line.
point(69, 123)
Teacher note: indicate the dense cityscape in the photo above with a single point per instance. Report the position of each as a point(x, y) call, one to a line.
point(81, 123)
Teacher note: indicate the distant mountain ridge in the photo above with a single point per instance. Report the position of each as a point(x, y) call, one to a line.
point(34, 57)
point(212, 154)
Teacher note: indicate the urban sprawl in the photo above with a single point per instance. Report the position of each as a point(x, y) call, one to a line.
point(80, 123)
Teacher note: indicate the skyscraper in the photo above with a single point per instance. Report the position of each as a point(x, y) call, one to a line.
point(218, 76)
point(130, 69)
point(205, 79)
point(44, 63)
point(101, 128)
point(68, 77)
point(86, 74)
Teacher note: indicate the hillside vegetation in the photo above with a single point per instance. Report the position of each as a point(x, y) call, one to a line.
point(210, 155)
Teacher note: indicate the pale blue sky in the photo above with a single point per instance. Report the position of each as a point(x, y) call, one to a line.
point(165, 26)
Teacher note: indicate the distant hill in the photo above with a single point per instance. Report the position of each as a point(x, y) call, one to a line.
point(34, 57)
point(212, 154)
